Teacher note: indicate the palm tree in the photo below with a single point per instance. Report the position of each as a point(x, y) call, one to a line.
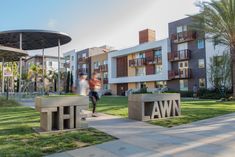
point(217, 19)
point(34, 72)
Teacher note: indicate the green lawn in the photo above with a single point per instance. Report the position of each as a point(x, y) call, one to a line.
point(19, 140)
point(192, 110)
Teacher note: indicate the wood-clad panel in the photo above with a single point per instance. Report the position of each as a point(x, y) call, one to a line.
point(122, 65)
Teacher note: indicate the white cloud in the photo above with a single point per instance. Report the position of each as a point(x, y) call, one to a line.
point(52, 23)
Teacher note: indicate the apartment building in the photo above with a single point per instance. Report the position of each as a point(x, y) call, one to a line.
point(50, 62)
point(84, 63)
point(99, 64)
point(178, 62)
point(144, 64)
point(189, 56)
point(71, 63)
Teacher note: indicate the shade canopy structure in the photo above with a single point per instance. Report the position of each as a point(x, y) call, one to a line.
point(33, 39)
point(11, 54)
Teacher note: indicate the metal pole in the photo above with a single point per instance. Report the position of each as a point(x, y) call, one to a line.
point(20, 76)
point(58, 66)
point(43, 66)
point(3, 75)
point(20, 65)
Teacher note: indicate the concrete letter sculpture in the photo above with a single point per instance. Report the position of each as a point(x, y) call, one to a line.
point(153, 106)
point(61, 112)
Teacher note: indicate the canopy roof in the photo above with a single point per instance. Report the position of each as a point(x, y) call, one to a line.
point(11, 54)
point(33, 39)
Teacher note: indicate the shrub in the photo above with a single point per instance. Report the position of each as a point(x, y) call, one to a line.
point(212, 94)
point(182, 93)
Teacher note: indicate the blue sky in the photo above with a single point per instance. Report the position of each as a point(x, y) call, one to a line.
point(94, 22)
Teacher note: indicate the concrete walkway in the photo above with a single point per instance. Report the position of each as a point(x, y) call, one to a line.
point(213, 137)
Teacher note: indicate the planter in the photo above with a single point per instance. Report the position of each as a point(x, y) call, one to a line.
point(145, 107)
point(60, 112)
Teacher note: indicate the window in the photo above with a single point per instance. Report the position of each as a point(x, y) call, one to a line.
point(183, 85)
point(201, 63)
point(200, 44)
point(105, 75)
point(140, 71)
point(84, 66)
point(158, 53)
point(140, 55)
point(84, 55)
point(158, 69)
point(72, 68)
point(72, 58)
point(50, 63)
point(96, 65)
point(105, 62)
point(182, 46)
point(181, 28)
point(202, 83)
point(183, 65)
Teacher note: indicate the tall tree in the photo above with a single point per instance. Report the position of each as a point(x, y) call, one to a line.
point(34, 72)
point(67, 82)
point(217, 19)
point(71, 82)
point(220, 72)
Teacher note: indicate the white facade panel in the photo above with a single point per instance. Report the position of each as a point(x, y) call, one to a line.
point(163, 75)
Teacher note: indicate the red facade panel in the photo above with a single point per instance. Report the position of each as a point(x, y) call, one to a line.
point(122, 66)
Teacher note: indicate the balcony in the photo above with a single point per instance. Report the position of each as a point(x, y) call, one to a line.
point(155, 60)
point(137, 62)
point(105, 81)
point(67, 65)
point(185, 73)
point(179, 55)
point(83, 59)
point(83, 70)
point(104, 68)
point(183, 37)
point(97, 69)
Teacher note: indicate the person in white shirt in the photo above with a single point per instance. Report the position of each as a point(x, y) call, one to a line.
point(83, 86)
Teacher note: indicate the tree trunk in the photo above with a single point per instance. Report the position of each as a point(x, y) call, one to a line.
point(233, 71)
point(233, 75)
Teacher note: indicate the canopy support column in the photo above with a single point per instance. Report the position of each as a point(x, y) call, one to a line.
point(58, 66)
point(20, 79)
point(43, 72)
point(3, 75)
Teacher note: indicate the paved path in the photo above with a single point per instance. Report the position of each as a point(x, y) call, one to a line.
point(27, 102)
point(208, 138)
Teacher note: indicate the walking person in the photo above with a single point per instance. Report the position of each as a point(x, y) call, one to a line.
point(95, 86)
point(83, 86)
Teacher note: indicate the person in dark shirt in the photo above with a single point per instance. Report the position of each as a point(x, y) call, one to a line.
point(95, 86)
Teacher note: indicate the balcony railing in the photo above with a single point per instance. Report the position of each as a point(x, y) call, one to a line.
point(105, 81)
point(137, 62)
point(67, 65)
point(104, 68)
point(155, 60)
point(183, 36)
point(82, 59)
point(97, 70)
point(179, 55)
point(83, 70)
point(180, 74)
